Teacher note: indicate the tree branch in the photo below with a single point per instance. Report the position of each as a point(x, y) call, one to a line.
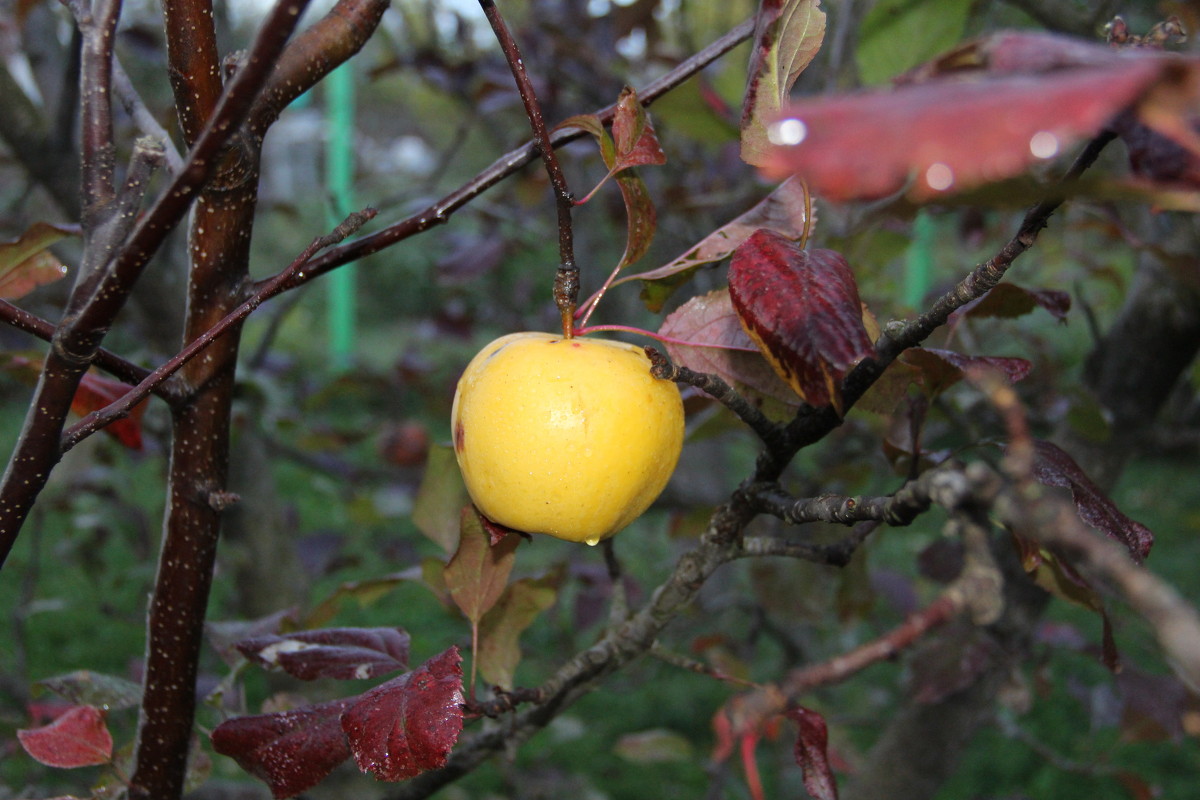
point(566, 280)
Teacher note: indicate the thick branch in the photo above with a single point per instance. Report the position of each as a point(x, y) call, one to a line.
point(194, 63)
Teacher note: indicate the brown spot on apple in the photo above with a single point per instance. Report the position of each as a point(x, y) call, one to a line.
point(459, 436)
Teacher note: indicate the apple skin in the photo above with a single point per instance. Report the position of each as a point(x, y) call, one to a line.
point(568, 437)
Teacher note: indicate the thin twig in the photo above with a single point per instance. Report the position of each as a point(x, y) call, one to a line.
point(718, 389)
point(122, 406)
point(566, 279)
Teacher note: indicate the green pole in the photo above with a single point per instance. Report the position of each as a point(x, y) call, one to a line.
point(918, 265)
point(339, 178)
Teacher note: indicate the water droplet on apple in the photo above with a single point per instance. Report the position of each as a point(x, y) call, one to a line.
point(593, 541)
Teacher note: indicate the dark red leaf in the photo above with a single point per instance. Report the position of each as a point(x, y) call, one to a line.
point(342, 653)
point(705, 334)
point(812, 753)
point(77, 738)
point(96, 392)
point(291, 750)
point(1009, 300)
point(950, 135)
point(801, 308)
point(1053, 467)
point(408, 725)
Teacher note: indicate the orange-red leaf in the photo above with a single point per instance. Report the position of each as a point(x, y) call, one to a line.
point(26, 264)
point(801, 307)
point(78, 738)
point(96, 392)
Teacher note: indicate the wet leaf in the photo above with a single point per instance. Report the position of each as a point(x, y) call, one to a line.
point(786, 210)
point(811, 752)
point(84, 687)
point(633, 134)
point(440, 498)
point(707, 336)
point(341, 653)
point(408, 725)
point(1053, 467)
point(77, 738)
point(96, 392)
point(1007, 300)
point(801, 307)
point(478, 572)
point(938, 370)
point(787, 36)
point(501, 627)
point(942, 135)
point(26, 264)
point(291, 750)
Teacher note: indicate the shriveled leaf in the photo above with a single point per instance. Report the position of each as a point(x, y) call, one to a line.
point(1054, 467)
point(96, 392)
point(801, 307)
point(943, 135)
point(84, 687)
point(787, 36)
point(478, 572)
point(1007, 300)
point(440, 498)
point(26, 264)
point(705, 334)
point(224, 635)
point(500, 630)
point(812, 754)
point(938, 370)
point(291, 750)
point(341, 653)
point(633, 134)
point(77, 738)
point(654, 746)
point(898, 34)
point(786, 210)
point(408, 725)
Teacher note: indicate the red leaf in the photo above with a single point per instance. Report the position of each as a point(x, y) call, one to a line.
point(1053, 467)
point(950, 134)
point(291, 750)
point(704, 334)
point(96, 392)
point(786, 210)
point(77, 738)
point(812, 753)
point(408, 725)
point(1008, 300)
point(342, 653)
point(26, 264)
point(479, 570)
point(802, 309)
point(787, 36)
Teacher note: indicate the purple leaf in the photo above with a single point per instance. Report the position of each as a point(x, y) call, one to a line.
point(408, 725)
point(1053, 467)
point(812, 753)
point(342, 653)
point(291, 750)
point(1009, 300)
point(940, 369)
point(78, 738)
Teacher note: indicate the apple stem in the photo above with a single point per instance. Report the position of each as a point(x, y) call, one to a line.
point(566, 280)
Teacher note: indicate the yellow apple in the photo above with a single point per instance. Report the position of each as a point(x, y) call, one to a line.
point(568, 437)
